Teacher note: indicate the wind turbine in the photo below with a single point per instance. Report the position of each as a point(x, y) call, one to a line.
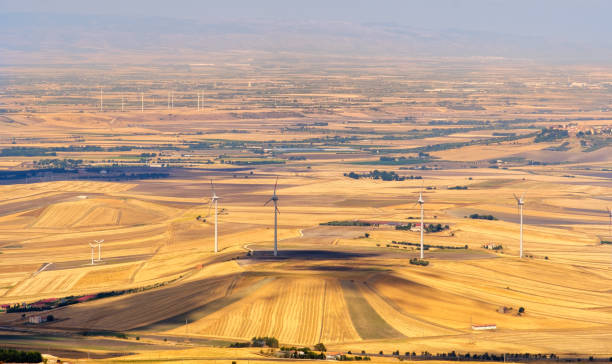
point(101, 102)
point(214, 200)
point(99, 242)
point(520, 201)
point(274, 199)
point(421, 202)
point(92, 246)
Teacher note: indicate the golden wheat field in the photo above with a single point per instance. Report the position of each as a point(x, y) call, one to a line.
point(349, 157)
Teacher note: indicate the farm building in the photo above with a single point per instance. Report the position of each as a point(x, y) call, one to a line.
point(484, 327)
point(333, 356)
point(36, 319)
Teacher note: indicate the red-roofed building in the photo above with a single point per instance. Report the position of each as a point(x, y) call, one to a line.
point(86, 298)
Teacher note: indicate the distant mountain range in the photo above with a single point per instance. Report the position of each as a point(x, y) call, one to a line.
point(28, 37)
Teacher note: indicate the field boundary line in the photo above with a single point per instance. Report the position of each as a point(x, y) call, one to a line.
point(408, 315)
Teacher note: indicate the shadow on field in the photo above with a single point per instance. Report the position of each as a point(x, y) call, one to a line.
point(313, 254)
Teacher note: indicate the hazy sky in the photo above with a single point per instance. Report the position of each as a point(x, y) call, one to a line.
point(583, 20)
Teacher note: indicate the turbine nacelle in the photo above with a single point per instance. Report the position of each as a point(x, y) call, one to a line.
point(520, 200)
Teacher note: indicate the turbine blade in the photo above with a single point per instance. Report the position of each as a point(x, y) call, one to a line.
point(275, 184)
point(277, 210)
point(267, 202)
point(209, 207)
point(212, 186)
point(516, 197)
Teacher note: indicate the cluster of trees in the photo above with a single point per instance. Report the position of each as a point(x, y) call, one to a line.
point(458, 188)
point(454, 145)
point(257, 342)
point(428, 246)
point(344, 357)
point(119, 335)
point(383, 175)
point(403, 160)
point(429, 228)
point(594, 144)
point(453, 356)
point(19, 356)
point(417, 261)
point(301, 353)
point(560, 148)
point(262, 341)
point(550, 134)
point(253, 162)
point(52, 151)
point(486, 357)
point(459, 122)
point(346, 223)
point(59, 163)
point(26, 152)
point(113, 173)
point(482, 217)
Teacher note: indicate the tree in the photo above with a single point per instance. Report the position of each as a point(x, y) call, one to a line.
point(521, 310)
point(50, 318)
point(320, 347)
point(367, 235)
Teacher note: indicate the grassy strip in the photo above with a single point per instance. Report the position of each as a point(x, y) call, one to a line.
point(366, 320)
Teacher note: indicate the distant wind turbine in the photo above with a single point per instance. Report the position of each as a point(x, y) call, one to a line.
point(421, 202)
point(214, 200)
point(274, 199)
point(521, 202)
point(99, 242)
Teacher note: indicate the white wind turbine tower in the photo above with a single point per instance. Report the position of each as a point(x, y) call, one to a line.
point(99, 242)
point(274, 199)
point(92, 246)
point(421, 202)
point(101, 102)
point(520, 201)
point(214, 200)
